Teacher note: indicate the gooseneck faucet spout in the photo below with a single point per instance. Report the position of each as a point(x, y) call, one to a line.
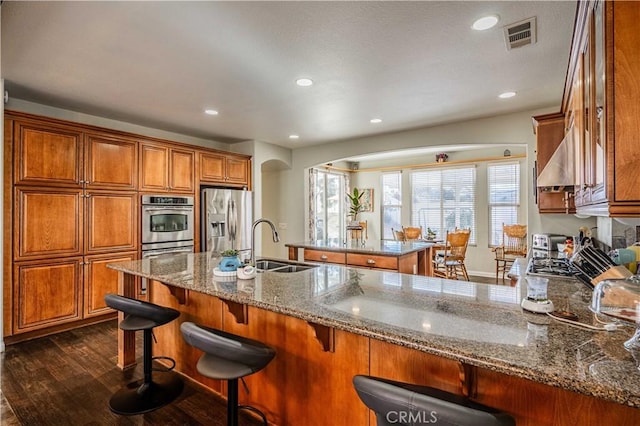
point(276, 238)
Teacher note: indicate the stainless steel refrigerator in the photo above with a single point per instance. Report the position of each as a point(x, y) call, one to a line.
point(226, 218)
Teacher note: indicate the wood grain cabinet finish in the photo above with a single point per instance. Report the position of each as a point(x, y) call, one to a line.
point(372, 261)
point(111, 162)
point(224, 169)
point(100, 280)
point(111, 221)
point(48, 222)
point(550, 131)
point(47, 293)
point(604, 87)
point(46, 154)
point(324, 256)
point(165, 169)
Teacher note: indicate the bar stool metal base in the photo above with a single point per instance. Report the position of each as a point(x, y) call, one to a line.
point(140, 397)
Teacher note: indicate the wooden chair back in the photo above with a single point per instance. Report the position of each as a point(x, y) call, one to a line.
point(457, 243)
point(398, 235)
point(412, 232)
point(514, 240)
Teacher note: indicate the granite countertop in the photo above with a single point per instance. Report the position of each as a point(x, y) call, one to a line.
point(479, 324)
point(381, 247)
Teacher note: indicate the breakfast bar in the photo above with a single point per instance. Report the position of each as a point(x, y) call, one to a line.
point(331, 322)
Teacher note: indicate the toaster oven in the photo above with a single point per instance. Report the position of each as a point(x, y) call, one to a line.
point(547, 242)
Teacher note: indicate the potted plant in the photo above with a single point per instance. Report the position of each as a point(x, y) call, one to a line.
point(356, 204)
point(431, 234)
point(442, 157)
point(230, 261)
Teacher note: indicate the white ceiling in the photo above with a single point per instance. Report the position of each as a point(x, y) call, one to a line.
point(159, 64)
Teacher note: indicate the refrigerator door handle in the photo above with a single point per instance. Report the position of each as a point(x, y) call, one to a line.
point(232, 222)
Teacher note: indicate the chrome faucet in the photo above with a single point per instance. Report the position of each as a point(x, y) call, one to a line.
point(276, 238)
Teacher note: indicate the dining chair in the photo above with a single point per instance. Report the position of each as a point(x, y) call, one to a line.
point(398, 235)
point(449, 263)
point(514, 245)
point(412, 232)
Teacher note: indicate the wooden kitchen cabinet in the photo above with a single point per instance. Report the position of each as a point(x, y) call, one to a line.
point(166, 169)
point(48, 222)
point(324, 256)
point(46, 293)
point(111, 221)
point(100, 280)
point(225, 169)
point(110, 162)
point(46, 154)
point(550, 131)
point(603, 74)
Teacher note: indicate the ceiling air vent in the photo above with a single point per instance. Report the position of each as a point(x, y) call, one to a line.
point(520, 34)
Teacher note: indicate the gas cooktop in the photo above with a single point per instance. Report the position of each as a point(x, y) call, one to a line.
point(549, 266)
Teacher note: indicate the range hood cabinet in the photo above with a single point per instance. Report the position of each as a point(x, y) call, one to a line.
point(558, 173)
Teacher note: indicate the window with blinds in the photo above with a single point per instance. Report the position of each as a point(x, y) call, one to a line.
point(444, 199)
point(391, 203)
point(504, 198)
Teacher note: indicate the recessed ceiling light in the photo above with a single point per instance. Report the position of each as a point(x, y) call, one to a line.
point(485, 22)
point(375, 120)
point(506, 95)
point(211, 112)
point(304, 82)
point(294, 137)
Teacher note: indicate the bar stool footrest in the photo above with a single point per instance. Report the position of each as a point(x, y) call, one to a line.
point(255, 410)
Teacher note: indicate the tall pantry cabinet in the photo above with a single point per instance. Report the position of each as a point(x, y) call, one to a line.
point(74, 202)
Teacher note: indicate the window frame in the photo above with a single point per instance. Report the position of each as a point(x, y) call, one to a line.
point(490, 205)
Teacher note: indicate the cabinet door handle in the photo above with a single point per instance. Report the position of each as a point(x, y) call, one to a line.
point(371, 262)
point(324, 257)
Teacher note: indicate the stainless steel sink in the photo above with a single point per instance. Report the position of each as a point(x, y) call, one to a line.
point(263, 265)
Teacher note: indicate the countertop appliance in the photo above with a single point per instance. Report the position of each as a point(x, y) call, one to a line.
point(547, 241)
point(226, 218)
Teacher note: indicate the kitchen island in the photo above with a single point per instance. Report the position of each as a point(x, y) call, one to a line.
point(407, 257)
point(332, 322)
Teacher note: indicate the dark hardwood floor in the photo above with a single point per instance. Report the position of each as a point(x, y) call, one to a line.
point(68, 378)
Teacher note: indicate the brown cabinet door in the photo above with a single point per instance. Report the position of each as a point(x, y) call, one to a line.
point(154, 168)
point(212, 167)
point(46, 293)
point(181, 170)
point(112, 221)
point(100, 280)
point(48, 222)
point(45, 154)
point(238, 170)
point(111, 162)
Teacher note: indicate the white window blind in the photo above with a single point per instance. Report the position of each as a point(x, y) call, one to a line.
point(391, 203)
point(504, 198)
point(444, 199)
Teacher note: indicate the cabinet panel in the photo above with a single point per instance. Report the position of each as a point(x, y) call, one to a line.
point(112, 221)
point(324, 256)
point(111, 162)
point(212, 167)
point(237, 171)
point(48, 222)
point(46, 154)
point(182, 170)
point(154, 168)
point(46, 293)
point(100, 280)
point(372, 261)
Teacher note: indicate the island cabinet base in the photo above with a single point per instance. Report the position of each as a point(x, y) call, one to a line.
point(309, 382)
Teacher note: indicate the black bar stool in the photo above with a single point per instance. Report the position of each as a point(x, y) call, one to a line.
point(397, 403)
point(228, 357)
point(151, 393)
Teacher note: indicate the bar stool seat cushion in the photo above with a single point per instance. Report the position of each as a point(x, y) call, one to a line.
point(140, 315)
point(226, 356)
point(387, 397)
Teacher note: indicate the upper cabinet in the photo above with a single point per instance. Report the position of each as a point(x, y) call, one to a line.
point(602, 109)
point(227, 169)
point(550, 131)
point(166, 169)
point(110, 162)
